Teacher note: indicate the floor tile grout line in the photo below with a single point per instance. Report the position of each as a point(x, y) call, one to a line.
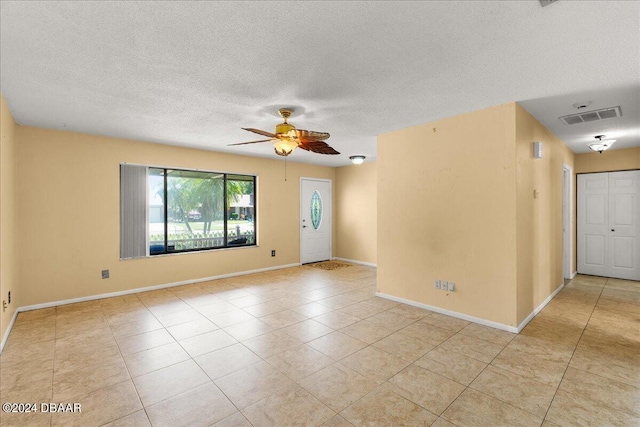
point(574, 352)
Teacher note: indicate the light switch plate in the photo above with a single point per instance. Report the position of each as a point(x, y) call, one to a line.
point(452, 287)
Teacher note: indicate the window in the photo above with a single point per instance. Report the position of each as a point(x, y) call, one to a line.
point(203, 210)
point(177, 210)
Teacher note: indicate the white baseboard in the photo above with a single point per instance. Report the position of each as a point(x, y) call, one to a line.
point(451, 313)
point(353, 261)
point(6, 334)
point(150, 288)
point(132, 291)
point(539, 308)
point(574, 274)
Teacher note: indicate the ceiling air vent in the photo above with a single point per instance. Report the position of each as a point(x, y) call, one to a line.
point(592, 116)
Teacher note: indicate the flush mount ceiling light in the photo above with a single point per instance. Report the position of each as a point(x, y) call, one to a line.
point(602, 143)
point(357, 160)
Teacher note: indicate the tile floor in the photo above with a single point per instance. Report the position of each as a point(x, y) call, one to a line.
point(306, 347)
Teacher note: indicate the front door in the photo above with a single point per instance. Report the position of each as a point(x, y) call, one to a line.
point(315, 220)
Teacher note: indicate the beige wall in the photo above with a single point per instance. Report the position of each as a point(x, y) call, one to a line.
point(8, 217)
point(608, 161)
point(447, 210)
point(68, 186)
point(356, 212)
point(539, 219)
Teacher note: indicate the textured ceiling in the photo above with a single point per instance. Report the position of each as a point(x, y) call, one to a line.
point(194, 73)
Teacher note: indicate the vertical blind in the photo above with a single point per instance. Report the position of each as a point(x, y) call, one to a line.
point(133, 211)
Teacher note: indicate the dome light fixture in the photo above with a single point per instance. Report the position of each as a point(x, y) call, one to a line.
point(357, 160)
point(602, 144)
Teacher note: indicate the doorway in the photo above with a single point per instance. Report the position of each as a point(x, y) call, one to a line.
point(315, 220)
point(609, 224)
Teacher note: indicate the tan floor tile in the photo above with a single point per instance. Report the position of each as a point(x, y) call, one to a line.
point(145, 341)
point(247, 301)
point(250, 329)
point(222, 362)
point(337, 319)
point(337, 345)
point(235, 420)
point(137, 315)
point(307, 330)
point(485, 333)
point(137, 419)
point(441, 422)
point(612, 394)
point(375, 364)
point(252, 384)
point(191, 329)
point(427, 389)
point(384, 407)
point(391, 320)
point(472, 347)
point(24, 353)
point(203, 405)
point(71, 385)
point(524, 393)
point(135, 327)
point(31, 419)
point(230, 318)
point(207, 342)
point(284, 318)
point(168, 382)
point(156, 358)
point(288, 408)
point(337, 301)
point(554, 330)
point(80, 326)
point(367, 331)
point(69, 360)
point(445, 322)
point(414, 313)
point(43, 313)
point(271, 344)
point(621, 295)
point(542, 348)
point(428, 333)
point(380, 302)
point(216, 308)
point(361, 310)
point(337, 386)
point(568, 409)
point(102, 406)
point(451, 365)
point(265, 308)
point(311, 309)
point(337, 421)
point(530, 366)
point(300, 362)
point(184, 316)
point(610, 362)
point(40, 390)
point(404, 346)
point(475, 409)
point(230, 294)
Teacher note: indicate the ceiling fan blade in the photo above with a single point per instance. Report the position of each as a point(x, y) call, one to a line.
point(309, 135)
point(249, 142)
point(261, 132)
point(317, 147)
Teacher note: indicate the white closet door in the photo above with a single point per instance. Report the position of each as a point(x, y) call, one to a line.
point(624, 222)
point(609, 224)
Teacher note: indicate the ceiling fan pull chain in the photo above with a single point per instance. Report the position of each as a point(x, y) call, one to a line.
point(285, 169)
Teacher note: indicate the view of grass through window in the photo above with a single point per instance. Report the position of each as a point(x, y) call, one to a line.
point(193, 210)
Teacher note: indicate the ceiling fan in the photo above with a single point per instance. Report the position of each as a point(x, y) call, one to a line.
point(287, 138)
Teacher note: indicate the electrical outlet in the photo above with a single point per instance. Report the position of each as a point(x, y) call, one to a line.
point(445, 284)
point(437, 284)
point(452, 287)
point(105, 274)
point(273, 252)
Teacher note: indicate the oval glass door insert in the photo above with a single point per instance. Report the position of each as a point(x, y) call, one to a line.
point(316, 210)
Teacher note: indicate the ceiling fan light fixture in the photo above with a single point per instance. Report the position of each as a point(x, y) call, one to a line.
point(284, 146)
point(357, 160)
